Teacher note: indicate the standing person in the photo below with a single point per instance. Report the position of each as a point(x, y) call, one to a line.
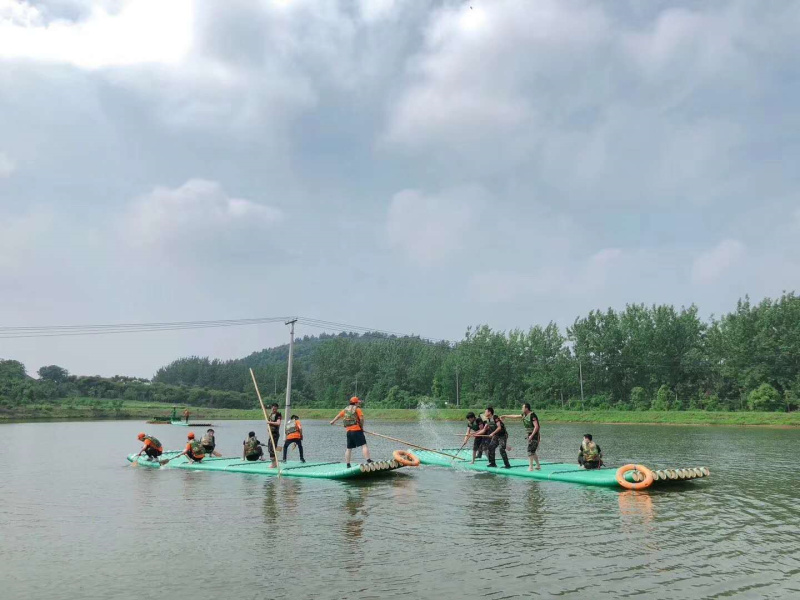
point(353, 419)
point(590, 455)
point(152, 447)
point(498, 438)
point(474, 425)
point(209, 442)
point(251, 448)
point(274, 421)
point(532, 431)
point(194, 450)
point(186, 415)
point(294, 435)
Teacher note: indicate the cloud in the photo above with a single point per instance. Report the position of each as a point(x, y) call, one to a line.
point(141, 31)
point(7, 166)
point(712, 264)
point(430, 228)
point(197, 217)
point(22, 236)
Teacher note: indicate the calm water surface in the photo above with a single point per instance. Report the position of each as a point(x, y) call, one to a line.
point(76, 521)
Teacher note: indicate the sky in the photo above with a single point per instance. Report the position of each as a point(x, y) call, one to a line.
point(416, 166)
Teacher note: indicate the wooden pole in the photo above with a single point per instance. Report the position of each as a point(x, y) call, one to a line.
point(266, 418)
point(413, 445)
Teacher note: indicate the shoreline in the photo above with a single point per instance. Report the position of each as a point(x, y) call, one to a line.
point(147, 411)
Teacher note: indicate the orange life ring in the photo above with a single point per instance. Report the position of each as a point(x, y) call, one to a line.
point(405, 458)
point(648, 477)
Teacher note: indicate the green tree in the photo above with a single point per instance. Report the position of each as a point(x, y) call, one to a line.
point(765, 397)
point(53, 373)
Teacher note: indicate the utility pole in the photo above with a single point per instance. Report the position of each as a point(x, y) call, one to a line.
point(458, 396)
point(356, 394)
point(275, 388)
point(580, 371)
point(288, 412)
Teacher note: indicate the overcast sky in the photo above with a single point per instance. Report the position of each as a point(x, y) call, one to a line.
point(406, 165)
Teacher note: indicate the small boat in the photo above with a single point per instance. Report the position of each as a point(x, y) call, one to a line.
point(312, 470)
point(185, 424)
point(635, 477)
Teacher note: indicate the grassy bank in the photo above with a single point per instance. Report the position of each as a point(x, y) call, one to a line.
point(92, 408)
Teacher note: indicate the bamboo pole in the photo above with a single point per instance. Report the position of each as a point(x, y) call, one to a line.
point(266, 418)
point(413, 445)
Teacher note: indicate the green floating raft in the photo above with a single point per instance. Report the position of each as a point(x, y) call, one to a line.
point(312, 470)
point(569, 473)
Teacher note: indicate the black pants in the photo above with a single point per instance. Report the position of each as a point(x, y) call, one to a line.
point(271, 449)
point(496, 443)
point(477, 447)
point(152, 452)
point(594, 464)
point(209, 449)
point(258, 454)
point(289, 443)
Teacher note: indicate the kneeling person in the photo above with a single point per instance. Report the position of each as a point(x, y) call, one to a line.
point(590, 456)
point(194, 450)
point(152, 447)
point(209, 442)
point(294, 435)
point(252, 448)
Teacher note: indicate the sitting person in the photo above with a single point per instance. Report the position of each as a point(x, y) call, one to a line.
point(590, 456)
point(251, 448)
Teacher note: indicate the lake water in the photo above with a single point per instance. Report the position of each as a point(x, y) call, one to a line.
point(77, 521)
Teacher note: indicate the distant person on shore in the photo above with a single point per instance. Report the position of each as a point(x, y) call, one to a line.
point(532, 432)
point(152, 447)
point(590, 456)
point(209, 442)
point(186, 415)
point(353, 419)
point(194, 450)
point(294, 435)
point(274, 421)
point(251, 448)
point(474, 425)
point(498, 438)
point(174, 413)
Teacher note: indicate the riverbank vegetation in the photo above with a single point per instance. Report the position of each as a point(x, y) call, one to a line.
point(649, 359)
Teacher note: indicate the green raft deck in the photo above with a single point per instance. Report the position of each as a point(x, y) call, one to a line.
point(312, 470)
point(550, 471)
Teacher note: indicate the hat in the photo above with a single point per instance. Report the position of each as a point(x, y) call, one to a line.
point(355, 400)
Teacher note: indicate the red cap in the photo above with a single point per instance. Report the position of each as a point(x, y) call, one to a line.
point(191, 435)
point(355, 400)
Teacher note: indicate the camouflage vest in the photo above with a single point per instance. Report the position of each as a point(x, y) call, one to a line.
point(197, 448)
point(491, 425)
point(475, 425)
point(527, 421)
point(251, 446)
point(350, 416)
point(291, 427)
point(208, 440)
point(153, 441)
point(590, 452)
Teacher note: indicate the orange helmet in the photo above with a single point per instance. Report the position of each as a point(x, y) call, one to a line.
point(141, 435)
point(191, 435)
point(355, 400)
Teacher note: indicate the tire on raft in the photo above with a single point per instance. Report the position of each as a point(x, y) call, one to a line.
point(648, 477)
point(405, 458)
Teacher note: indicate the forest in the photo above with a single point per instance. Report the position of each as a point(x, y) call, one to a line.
point(640, 358)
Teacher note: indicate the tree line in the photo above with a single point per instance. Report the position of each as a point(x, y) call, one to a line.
point(640, 358)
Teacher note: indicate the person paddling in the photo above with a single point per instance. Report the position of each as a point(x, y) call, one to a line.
point(532, 431)
point(152, 447)
point(251, 448)
point(474, 425)
point(590, 455)
point(498, 438)
point(294, 435)
point(194, 450)
point(353, 419)
point(274, 422)
point(209, 442)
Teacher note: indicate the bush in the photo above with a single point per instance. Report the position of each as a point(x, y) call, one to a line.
point(640, 400)
point(661, 401)
point(764, 397)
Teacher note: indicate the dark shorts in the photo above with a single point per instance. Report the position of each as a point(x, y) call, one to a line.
point(195, 458)
point(533, 446)
point(152, 452)
point(477, 445)
point(356, 439)
point(595, 464)
point(209, 449)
